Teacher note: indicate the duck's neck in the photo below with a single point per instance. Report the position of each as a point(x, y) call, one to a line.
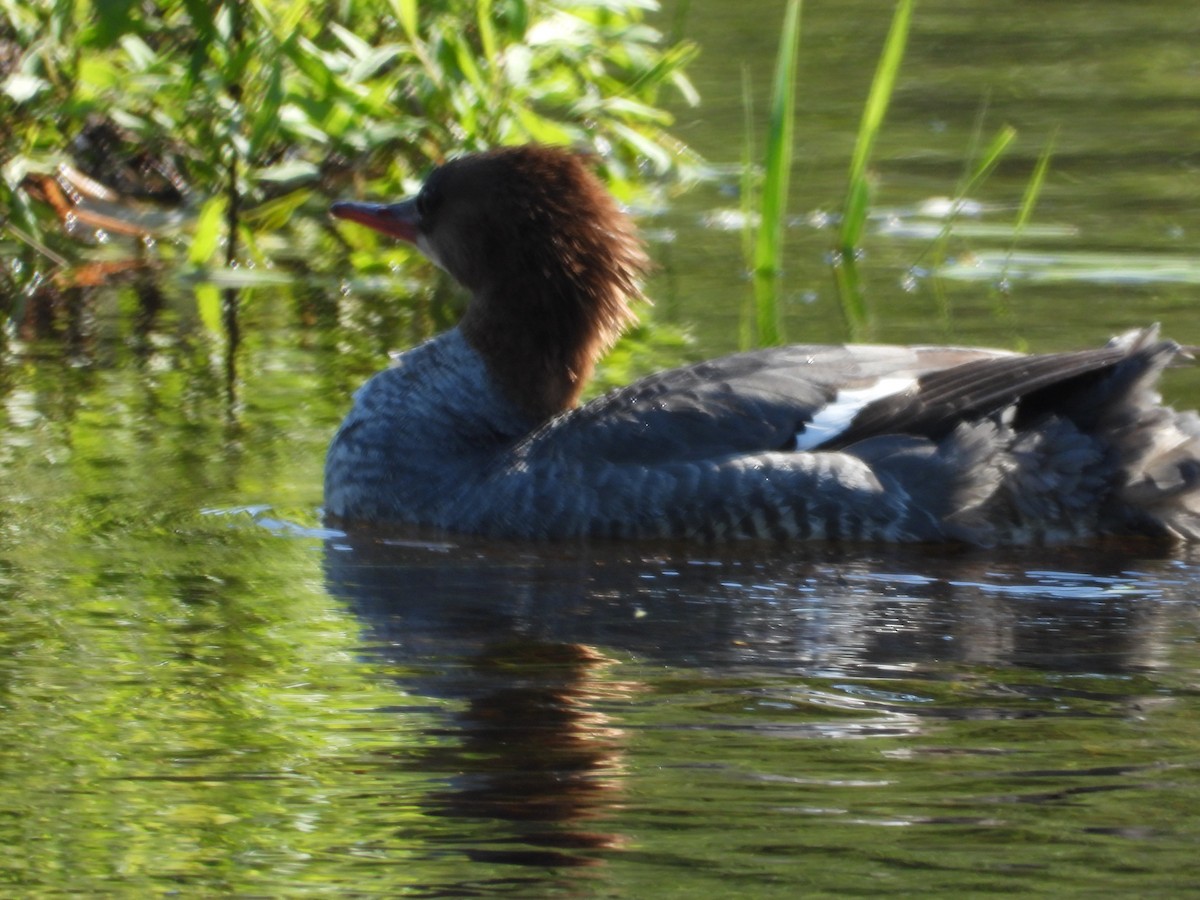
point(541, 341)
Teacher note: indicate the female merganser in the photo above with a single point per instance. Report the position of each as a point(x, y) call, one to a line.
point(477, 430)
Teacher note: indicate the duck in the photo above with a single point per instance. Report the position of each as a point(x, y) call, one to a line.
point(479, 430)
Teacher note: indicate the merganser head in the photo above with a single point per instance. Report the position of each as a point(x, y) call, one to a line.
point(550, 259)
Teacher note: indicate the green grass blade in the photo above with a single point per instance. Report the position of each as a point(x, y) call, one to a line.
point(849, 288)
point(774, 196)
point(854, 215)
point(982, 169)
point(487, 35)
point(1033, 190)
point(748, 188)
point(996, 149)
point(749, 205)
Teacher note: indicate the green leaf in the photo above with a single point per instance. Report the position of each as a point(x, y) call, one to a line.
point(114, 18)
point(406, 14)
point(352, 42)
point(208, 305)
point(654, 154)
point(632, 109)
point(266, 115)
point(202, 16)
point(141, 57)
point(207, 236)
point(22, 88)
point(487, 32)
point(468, 66)
point(368, 66)
point(289, 170)
point(275, 214)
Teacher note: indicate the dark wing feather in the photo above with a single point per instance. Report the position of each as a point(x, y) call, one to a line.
point(744, 403)
point(1076, 386)
point(973, 390)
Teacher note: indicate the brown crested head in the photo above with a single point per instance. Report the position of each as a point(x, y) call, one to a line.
point(550, 259)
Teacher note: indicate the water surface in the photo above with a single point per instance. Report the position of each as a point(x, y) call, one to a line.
point(205, 692)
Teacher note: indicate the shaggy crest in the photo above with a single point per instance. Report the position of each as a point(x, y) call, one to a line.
point(550, 258)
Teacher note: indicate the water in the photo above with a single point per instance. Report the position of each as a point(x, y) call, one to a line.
point(359, 717)
point(204, 692)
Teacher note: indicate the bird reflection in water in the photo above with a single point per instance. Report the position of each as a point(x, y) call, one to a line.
point(529, 748)
point(514, 647)
point(538, 751)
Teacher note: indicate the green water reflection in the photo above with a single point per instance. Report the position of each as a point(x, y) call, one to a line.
point(203, 693)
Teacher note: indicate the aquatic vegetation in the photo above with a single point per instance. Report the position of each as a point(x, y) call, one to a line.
point(772, 197)
point(858, 192)
point(248, 113)
point(764, 206)
point(764, 193)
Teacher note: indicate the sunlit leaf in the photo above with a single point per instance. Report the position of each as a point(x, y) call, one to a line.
point(223, 22)
point(372, 62)
point(542, 130)
point(406, 14)
point(487, 32)
point(21, 88)
point(275, 214)
point(207, 235)
point(632, 108)
point(654, 154)
point(266, 111)
point(467, 63)
point(139, 53)
point(351, 41)
point(289, 170)
point(208, 305)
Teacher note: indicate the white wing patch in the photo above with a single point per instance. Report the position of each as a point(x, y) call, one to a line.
point(837, 415)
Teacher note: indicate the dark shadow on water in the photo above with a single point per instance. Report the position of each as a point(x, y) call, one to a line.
point(520, 639)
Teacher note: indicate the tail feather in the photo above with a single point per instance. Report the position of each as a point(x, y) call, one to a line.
point(1163, 471)
point(1097, 452)
point(1157, 448)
